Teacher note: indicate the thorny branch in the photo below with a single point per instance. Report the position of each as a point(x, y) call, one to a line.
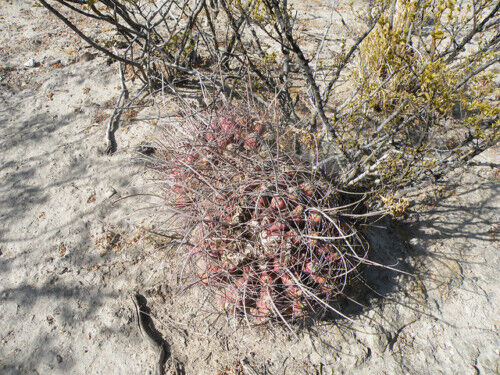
point(386, 104)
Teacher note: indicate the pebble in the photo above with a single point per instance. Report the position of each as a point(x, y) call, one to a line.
point(110, 192)
point(53, 62)
point(414, 242)
point(31, 63)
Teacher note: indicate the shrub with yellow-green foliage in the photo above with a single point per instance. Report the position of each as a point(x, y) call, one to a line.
point(423, 104)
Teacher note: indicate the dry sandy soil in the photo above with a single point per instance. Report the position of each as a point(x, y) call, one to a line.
point(72, 253)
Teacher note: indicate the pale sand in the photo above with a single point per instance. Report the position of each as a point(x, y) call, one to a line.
point(65, 302)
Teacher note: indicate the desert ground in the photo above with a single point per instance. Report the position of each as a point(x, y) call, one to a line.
point(72, 251)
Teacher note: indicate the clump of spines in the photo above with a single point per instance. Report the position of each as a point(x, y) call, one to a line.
point(273, 238)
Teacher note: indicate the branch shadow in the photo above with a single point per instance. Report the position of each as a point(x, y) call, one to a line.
point(35, 277)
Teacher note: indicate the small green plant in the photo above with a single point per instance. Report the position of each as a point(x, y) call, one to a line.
point(418, 105)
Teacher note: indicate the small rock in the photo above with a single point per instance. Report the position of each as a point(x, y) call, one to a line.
point(431, 231)
point(110, 192)
point(53, 62)
point(59, 358)
point(414, 242)
point(31, 63)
